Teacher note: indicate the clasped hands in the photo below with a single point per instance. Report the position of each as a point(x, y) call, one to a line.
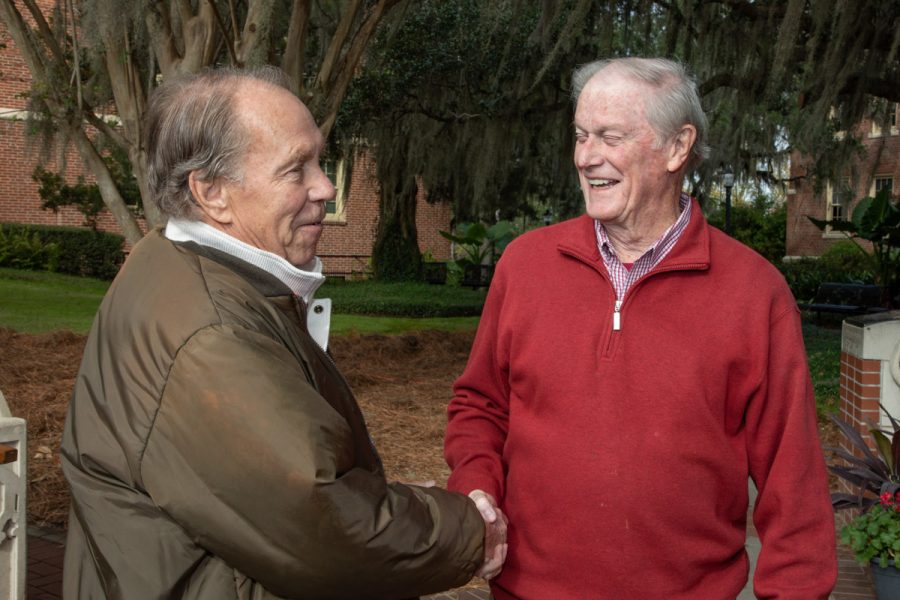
point(495, 523)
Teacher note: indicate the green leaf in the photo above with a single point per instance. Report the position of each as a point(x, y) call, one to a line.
point(883, 442)
point(860, 213)
point(500, 230)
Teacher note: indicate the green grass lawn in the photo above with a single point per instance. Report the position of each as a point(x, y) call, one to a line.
point(341, 324)
point(823, 351)
point(38, 302)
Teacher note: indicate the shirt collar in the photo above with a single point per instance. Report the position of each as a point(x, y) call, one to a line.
point(302, 283)
point(664, 241)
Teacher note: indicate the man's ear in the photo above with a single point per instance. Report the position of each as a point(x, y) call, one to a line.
point(680, 148)
point(211, 198)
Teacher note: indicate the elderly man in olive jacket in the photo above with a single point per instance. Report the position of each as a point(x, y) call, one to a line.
point(212, 447)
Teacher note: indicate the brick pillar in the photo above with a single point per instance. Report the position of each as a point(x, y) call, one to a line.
point(870, 375)
point(860, 394)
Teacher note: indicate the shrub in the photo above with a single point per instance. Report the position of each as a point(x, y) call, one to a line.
point(842, 263)
point(848, 263)
point(24, 250)
point(78, 251)
point(407, 299)
point(760, 224)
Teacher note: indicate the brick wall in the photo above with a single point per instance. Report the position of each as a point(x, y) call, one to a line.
point(860, 393)
point(346, 245)
point(15, 79)
point(882, 158)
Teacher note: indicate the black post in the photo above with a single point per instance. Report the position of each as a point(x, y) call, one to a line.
point(728, 210)
point(728, 180)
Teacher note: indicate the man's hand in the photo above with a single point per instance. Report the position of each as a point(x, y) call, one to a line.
point(494, 534)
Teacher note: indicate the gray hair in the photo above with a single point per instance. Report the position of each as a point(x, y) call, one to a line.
point(675, 104)
point(191, 125)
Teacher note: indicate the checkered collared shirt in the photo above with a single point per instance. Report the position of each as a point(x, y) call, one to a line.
point(623, 278)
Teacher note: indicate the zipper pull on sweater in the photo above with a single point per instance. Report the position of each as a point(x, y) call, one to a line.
point(617, 316)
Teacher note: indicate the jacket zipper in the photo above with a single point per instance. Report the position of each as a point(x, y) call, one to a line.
point(617, 307)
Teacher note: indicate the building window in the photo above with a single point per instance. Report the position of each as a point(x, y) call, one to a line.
point(839, 197)
point(881, 182)
point(334, 209)
point(892, 121)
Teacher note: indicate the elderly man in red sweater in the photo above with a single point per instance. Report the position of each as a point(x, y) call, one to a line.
point(632, 369)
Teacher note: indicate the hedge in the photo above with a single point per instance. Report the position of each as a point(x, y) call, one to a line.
point(77, 251)
point(843, 262)
point(402, 299)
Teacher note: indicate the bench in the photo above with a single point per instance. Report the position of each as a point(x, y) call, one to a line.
point(846, 299)
point(476, 276)
point(435, 272)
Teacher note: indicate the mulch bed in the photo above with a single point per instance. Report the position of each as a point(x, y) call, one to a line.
point(403, 384)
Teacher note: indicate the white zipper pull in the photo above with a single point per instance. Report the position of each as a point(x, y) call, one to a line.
point(617, 316)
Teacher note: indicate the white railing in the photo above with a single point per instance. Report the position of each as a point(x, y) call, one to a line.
point(12, 505)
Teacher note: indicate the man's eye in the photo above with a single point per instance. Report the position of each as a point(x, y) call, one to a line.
point(612, 140)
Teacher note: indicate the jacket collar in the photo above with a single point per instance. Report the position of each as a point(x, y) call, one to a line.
point(302, 283)
point(265, 283)
point(579, 240)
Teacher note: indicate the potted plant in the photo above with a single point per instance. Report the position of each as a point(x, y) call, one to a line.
point(873, 535)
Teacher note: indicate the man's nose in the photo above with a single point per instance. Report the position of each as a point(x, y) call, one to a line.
point(588, 152)
point(322, 190)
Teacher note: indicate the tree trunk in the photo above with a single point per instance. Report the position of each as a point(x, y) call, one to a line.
point(108, 190)
point(293, 61)
point(131, 100)
point(395, 255)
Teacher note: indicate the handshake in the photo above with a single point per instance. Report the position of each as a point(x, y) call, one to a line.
point(495, 523)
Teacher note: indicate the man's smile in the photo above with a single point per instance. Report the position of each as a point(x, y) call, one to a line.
point(603, 183)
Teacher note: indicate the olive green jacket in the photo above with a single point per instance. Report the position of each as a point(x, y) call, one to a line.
point(214, 451)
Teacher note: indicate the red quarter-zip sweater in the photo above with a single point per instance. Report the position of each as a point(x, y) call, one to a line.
point(621, 457)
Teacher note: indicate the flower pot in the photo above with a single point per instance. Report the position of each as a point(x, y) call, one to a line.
point(887, 581)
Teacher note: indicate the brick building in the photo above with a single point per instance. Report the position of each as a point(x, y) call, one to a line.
point(346, 245)
point(877, 168)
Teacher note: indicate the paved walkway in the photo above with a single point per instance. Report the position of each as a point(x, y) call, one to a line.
point(45, 558)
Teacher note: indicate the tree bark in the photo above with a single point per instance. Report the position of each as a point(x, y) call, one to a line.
point(333, 94)
point(395, 254)
point(108, 190)
point(252, 32)
point(293, 60)
point(130, 99)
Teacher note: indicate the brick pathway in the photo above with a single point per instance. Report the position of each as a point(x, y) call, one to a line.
point(45, 557)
